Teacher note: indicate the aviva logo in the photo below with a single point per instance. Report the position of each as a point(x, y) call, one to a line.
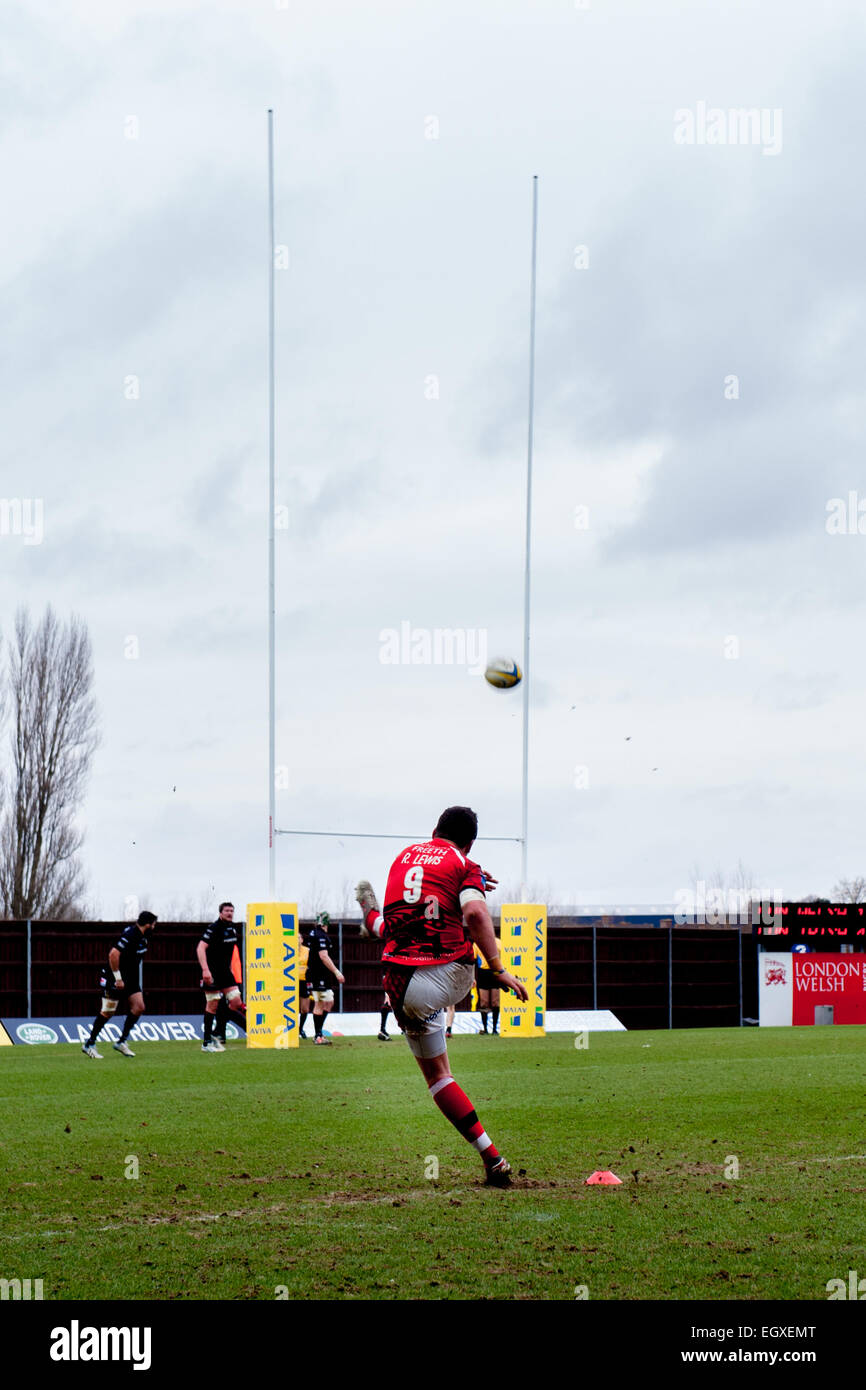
point(272, 974)
point(290, 974)
point(523, 929)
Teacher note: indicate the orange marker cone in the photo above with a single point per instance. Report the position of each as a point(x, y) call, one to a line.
point(603, 1178)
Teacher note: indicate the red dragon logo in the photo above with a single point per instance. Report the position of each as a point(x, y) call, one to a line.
point(775, 975)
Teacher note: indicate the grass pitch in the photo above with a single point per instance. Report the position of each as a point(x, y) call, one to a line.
point(308, 1172)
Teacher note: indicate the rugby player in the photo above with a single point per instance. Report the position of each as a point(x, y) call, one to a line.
point(214, 953)
point(434, 912)
point(320, 971)
point(305, 1003)
point(122, 976)
point(488, 995)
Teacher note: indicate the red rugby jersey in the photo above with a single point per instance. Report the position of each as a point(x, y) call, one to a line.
point(423, 912)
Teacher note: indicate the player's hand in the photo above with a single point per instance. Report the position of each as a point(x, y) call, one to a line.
point(207, 979)
point(118, 984)
point(490, 883)
point(341, 979)
point(364, 929)
point(506, 981)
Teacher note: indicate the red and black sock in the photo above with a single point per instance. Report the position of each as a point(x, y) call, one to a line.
point(458, 1108)
point(374, 921)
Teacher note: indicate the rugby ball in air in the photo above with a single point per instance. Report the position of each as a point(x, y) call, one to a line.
point(503, 674)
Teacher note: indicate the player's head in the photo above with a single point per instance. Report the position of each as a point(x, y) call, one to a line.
point(146, 920)
point(458, 824)
point(227, 911)
point(323, 920)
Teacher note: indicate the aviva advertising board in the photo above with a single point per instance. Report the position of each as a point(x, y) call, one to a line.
point(523, 942)
point(271, 992)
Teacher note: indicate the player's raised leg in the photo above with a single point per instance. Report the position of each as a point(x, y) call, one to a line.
point(372, 920)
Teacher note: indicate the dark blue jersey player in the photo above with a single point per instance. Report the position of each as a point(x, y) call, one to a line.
point(214, 953)
point(321, 973)
point(122, 976)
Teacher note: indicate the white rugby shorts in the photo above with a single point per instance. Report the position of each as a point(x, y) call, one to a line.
point(429, 992)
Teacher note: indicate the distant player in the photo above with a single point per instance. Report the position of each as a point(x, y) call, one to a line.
point(122, 976)
point(305, 1003)
point(321, 974)
point(487, 984)
point(214, 953)
point(434, 911)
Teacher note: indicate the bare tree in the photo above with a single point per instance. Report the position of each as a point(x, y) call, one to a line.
point(200, 907)
point(536, 892)
point(54, 735)
point(850, 890)
point(345, 901)
point(316, 899)
point(733, 894)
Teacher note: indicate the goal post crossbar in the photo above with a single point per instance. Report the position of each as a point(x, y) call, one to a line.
point(407, 839)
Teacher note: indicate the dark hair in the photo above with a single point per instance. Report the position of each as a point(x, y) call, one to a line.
point(147, 919)
point(222, 905)
point(457, 823)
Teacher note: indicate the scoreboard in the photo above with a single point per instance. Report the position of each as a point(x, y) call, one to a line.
point(813, 922)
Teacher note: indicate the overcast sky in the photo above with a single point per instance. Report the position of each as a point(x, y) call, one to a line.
point(698, 664)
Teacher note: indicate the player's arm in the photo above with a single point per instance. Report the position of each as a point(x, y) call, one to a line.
point(201, 953)
point(114, 962)
point(326, 960)
point(479, 925)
